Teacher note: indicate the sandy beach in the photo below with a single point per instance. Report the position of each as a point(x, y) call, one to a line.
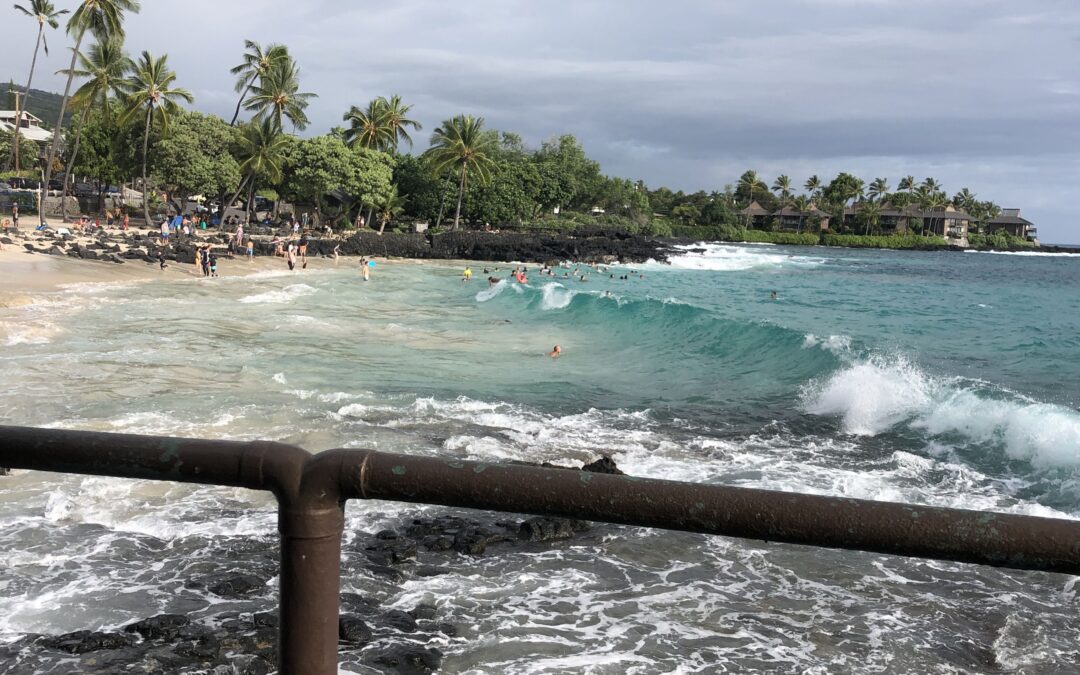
point(23, 272)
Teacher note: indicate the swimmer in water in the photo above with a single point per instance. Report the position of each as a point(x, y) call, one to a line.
point(772, 296)
point(555, 353)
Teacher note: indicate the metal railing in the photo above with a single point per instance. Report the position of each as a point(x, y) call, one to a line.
point(312, 489)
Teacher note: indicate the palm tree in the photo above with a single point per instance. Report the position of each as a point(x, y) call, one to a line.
point(278, 95)
point(813, 186)
point(369, 128)
point(907, 183)
point(870, 213)
point(105, 66)
point(395, 120)
point(802, 205)
point(105, 19)
point(932, 185)
point(965, 201)
point(262, 153)
point(43, 12)
point(878, 189)
point(256, 64)
point(148, 90)
point(782, 185)
point(461, 144)
point(391, 206)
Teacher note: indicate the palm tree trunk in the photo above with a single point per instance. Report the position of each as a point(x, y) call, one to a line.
point(249, 207)
point(60, 125)
point(145, 182)
point(442, 200)
point(382, 225)
point(242, 97)
point(460, 197)
point(226, 205)
point(74, 156)
point(20, 101)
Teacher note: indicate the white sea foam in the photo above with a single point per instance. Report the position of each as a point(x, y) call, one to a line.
point(1034, 254)
point(556, 296)
point(877, 394)
point(837, 344)
point(283, 296)
point(728, 258)
point(37, 333)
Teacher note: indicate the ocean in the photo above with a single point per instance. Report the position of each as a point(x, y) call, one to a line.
point(948, 379)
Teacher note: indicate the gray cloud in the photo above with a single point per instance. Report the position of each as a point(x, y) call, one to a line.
point(979, 93)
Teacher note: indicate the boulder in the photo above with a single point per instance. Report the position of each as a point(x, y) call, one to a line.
point(353, 630)
point(83, 641)
point(409, 659)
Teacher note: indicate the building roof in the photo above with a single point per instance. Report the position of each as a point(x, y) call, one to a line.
point(26, 114)
point(1011, 220)
point(755, 209)
point(32, 133)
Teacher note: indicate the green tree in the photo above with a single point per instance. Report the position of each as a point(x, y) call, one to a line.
point(149, 92)
point(813, 187)
point(566, 173)
point(461, 145)
point(879, 188)
point(262, 150)
point(390, 206)
point(842, 189)
point(28, 159)
point(255, 64)
point(104, 19)
point(397, 122)
point(104, 66)
point(44, 13)
point(782, 185)
point(870, 214)
point(195, 157)
point(907, 184)
point(368, 128)
point(278, 95)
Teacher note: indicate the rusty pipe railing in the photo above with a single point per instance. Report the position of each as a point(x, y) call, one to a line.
point(312, 489)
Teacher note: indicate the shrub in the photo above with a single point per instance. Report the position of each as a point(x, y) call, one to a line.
point(908, 241)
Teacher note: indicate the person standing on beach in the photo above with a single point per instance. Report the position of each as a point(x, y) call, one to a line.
point(213, 265)
point(127, 221)
point(165, 232)
point(15, 214)
point(291, 256)
point(250, 250)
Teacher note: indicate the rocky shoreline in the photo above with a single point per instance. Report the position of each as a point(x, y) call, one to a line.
point(596, 246)
point(370, 635)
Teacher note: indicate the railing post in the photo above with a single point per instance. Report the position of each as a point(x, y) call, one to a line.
point(310, 584)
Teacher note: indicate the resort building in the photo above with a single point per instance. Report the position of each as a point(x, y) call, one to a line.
point(947, 222)
point(29, 125)
point(1011, 222)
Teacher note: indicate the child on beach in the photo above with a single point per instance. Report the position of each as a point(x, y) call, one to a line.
point(213, 265)
point(250, 249)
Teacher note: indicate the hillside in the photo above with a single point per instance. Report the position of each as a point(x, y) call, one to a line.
point(43, 104)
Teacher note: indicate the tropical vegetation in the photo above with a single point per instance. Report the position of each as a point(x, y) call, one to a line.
point(130, 120)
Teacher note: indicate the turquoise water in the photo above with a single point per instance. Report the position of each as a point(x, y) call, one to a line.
point(938, 378)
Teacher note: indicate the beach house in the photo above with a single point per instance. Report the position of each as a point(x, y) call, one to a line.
point(1014, 224)
point(29, 125)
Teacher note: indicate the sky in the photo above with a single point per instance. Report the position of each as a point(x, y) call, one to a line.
point(983, 94)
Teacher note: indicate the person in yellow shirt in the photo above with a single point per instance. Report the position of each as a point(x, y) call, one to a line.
point(467, 274)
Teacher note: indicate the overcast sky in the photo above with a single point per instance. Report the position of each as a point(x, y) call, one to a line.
point(689, 94)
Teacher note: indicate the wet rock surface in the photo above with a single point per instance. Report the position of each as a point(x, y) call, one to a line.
point(373, 635)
